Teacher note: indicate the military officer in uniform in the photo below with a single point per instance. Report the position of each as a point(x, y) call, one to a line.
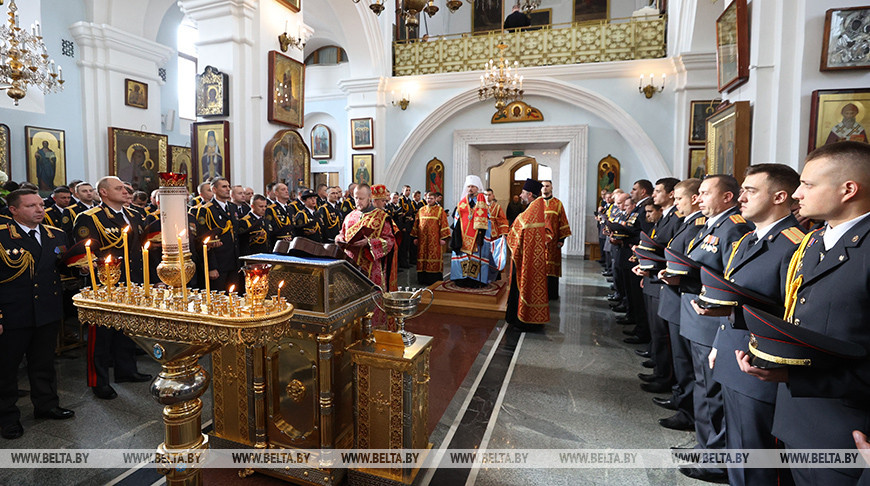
point(279, 213)
point(31, 309)
point(682, 397)
point(255, 231)
point(105, 224)
point(57, 214)
point(662, 232)
point(827, 292)
point(216, 219)
point(86, 196)
point(759, 263)
point(711, 247)
point(348, 204)
point(330, 215)
point(306, 223)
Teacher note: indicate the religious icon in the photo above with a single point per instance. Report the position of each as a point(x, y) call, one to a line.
point(212, 93)
point(732, 46)
point(697, 162)
point(181, 163)
point(287, 159)
point(136, 94)
point(362, 168)
point(211, 143)
point(137, 157)
point(46, 158)
point(838, 115)
point(699, 112)
point(321, 142)
point(286, 90)
point(608, 175)
point(487, 15)
point(517, 111)
point(435, 176)
point(728, 135)
point(847, 39)
point(294, 5)
point(361, 133)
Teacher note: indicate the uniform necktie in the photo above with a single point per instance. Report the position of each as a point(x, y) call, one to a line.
point(32, 234)
point(751, 240)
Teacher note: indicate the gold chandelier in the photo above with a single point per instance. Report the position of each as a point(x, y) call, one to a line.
point(24, 59)
point(501, 81)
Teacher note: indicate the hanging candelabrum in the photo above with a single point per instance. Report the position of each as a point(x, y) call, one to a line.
point(501, 80)
point(24, 59)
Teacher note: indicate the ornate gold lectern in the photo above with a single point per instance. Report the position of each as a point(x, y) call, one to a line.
point(306, 376)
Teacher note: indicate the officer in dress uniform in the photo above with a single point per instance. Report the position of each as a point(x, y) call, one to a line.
point(237, 196)
point(31, 309)
point(104, 224)
point(306, 223)
point(348, 204)
point(255, 231)
point(216, 219)
point(56, 213)
point(681, 400)
point(758, 263)
point(827, 292)
point(661, 234)
point(330, 215)
point(711, 247)
point(85, 194)
point(279, 213)
point(640, 196)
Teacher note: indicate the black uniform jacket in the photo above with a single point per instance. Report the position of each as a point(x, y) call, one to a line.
point(30, 290)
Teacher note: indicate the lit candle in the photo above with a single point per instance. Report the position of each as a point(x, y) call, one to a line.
point(230, 300)
point(181, 271)
point(145, 268)
point(281, 284)
point(91, 266)
point(127, 259)
point(205, 267)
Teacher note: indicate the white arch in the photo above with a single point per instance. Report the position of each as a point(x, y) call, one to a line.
point(647, 153)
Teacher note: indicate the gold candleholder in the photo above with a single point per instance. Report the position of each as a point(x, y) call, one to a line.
point(109, 272)
point(170, 273)
point(256, 286)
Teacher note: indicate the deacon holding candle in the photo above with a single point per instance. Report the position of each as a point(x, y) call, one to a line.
point(104, 225)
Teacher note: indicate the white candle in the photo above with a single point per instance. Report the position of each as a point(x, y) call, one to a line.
point(91, 266)
point(145, 268)
point(205, 268)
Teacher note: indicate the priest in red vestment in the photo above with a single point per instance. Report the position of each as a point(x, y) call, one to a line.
point(528, 303)
point(430, 233)
point(367, 239)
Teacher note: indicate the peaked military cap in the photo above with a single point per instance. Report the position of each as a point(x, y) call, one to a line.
point(719, 291)
point(774, 343)
point(649, 260)
point(679, 264)
point(647, 243)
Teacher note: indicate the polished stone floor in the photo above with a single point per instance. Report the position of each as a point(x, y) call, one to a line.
point(572, 385)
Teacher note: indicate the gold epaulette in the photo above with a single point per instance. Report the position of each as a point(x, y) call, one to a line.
point(92, 211)
point(52, 227)
point(3, 226)
point(794, 234)
point(736, 218)
point(701, 221)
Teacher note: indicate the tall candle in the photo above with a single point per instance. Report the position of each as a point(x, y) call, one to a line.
point(205, 268)
point(278, 299)
point(91, 266)
point(182, 272)
point(127, 259)
point(145, 269)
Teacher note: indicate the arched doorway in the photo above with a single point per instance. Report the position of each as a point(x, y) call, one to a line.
point(527, 169)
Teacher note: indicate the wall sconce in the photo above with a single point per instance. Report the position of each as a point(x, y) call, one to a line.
point(285, 41)
point(652, 88)
point(403, 101)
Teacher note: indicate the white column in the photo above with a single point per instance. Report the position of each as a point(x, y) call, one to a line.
point(108, 56)
point(229, 39)
point(366, 99)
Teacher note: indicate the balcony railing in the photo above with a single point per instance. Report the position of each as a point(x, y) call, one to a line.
point(575, 43)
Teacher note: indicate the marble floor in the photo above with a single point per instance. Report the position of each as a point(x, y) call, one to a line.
point(572, 385)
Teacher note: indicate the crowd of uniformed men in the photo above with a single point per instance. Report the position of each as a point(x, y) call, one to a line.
point(787, 369)
point(41, 253)
point(793, 247)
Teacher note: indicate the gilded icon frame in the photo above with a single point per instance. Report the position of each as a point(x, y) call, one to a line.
point(826, 112)
point(123, 147)
point(37, 138)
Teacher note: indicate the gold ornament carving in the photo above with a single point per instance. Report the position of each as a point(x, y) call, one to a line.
point(296, 391)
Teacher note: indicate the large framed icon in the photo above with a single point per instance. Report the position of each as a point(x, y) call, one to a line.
point(137, 157)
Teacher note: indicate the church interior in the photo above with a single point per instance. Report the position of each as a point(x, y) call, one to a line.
point(593, 95)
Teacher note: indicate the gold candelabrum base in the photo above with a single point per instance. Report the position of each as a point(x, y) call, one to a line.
point(177, 334)
point(169, 270)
